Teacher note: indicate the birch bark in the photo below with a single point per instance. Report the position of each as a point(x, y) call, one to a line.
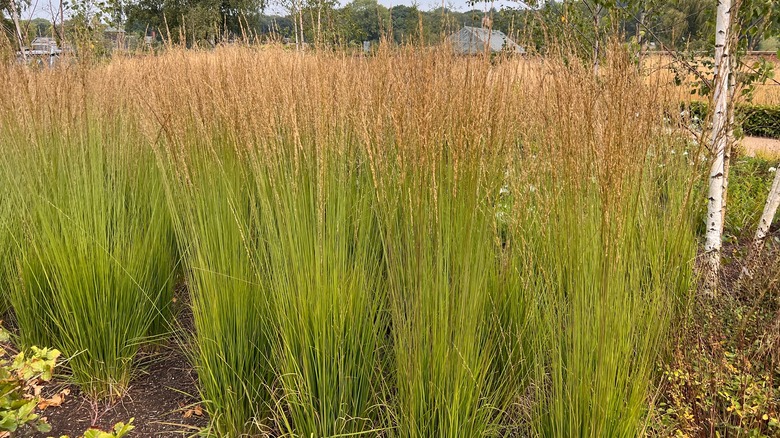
point(770, 209)
point(15, 17)
point(596, 41)
point(772, 202)
point(719, 142)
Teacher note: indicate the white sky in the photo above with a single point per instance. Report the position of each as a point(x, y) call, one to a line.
point(427, 5)
point(457, 5)
point(41, 8)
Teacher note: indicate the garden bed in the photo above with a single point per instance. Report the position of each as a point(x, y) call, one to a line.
point(163, 400)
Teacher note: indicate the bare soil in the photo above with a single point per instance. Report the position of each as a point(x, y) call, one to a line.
point(162, 399)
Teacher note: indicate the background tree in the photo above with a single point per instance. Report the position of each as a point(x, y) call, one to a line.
point(195, 21)
point(366, 15)
point(684, 24)
point(13, 8)
point(405, 20)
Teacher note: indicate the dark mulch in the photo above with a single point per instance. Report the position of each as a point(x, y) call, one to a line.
point(159, 399)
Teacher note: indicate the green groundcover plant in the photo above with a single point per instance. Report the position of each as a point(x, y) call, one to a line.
point(20, 374)
point(22, 377)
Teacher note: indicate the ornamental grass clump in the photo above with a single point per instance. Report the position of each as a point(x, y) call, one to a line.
point(602, 229)
point(324, 260)
point(407, 244)
point(427, 245)
point(438, 158)
point(207, 163)
point(94, 251)
point(325, 268)
point(213, 206)
point(442, 280)
point(282, 252)
point(6, 246)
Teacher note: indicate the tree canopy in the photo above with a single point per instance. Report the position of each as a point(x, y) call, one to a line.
point(674, 24)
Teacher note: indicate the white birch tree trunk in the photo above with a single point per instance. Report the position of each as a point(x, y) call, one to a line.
point(293, 12)
point(730, 143)
point(319, 22)
point(770, 209)
point(596, 40)
point(720, 129)
point(300, 24)
point(62, 25)
point(15, 16)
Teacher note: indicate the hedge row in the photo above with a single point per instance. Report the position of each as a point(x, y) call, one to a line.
point(755, 120)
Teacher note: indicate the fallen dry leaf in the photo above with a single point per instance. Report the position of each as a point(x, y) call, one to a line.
point(196, 410)
point(54, 401)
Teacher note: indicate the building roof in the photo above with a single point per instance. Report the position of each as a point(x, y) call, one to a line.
point(42, 46)
point(472, 40)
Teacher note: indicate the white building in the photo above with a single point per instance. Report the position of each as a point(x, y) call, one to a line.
point(475, 40)
point(43, 50)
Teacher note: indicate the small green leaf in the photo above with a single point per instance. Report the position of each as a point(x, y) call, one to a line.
point(43, 427)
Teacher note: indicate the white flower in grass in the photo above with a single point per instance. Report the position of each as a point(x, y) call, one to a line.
point(685, 153)
point(772, 169)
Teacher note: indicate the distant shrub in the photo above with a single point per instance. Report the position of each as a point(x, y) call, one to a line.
point(760, 120)
point(754, 120)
